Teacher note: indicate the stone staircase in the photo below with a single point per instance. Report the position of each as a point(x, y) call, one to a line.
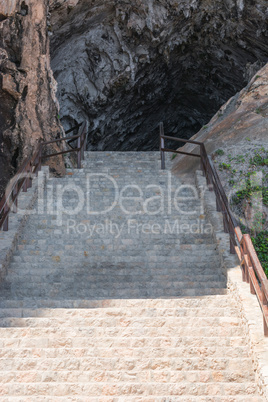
point(126, 305)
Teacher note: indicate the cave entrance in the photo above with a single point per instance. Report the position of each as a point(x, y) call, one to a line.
point(124, 79)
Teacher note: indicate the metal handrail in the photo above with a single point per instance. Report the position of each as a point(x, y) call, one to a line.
point(32, 165)
point(252, 271)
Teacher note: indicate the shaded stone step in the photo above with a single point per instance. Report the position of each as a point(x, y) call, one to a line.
point(121, 312)
point(113, 277)
point(215, 301)
point(131, 322)
point(60, 294)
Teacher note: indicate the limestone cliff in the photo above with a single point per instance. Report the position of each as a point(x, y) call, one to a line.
point(28, 112)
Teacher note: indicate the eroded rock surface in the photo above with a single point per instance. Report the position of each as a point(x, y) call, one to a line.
point(28, 112)
point(126, 65)
point(242, 119)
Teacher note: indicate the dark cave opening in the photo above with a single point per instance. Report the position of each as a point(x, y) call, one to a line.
point(124, 81)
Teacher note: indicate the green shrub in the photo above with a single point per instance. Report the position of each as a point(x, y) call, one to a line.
point(260, 242)
point(248, 192)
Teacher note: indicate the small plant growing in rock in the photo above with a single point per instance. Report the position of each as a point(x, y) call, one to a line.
point(259, 160)
point(219, 152)
point(225, 166)
point(240, 159)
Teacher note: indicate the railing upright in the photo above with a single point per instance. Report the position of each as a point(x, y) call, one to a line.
point(162, 146)
point(5, 225)
point(79, 153)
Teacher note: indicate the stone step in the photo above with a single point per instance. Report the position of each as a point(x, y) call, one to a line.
point(183, 251)
point(134, 353)
point(90, 258)
point(120, 312)
point(38, 244)
point(130, 226)
point(215, 301)
point(135, 292)
point(172, 398)
point(121, 342)
point(144, 376)
point(131, 322)
point(126, 364)
point(62, 276)
point(111, 289)
point(128, 388)
point(65, 332)
point(184, 271)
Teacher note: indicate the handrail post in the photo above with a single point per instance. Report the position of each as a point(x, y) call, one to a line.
point(15, 197)
point(79, 153)
point(5, 225)
point(232, 247)
point(30, 175)
point(162, 146)
point(39, 160)
point(82, 148)
point(265, 327)
point(85, 141)
point(25, 184)
point(203, 158)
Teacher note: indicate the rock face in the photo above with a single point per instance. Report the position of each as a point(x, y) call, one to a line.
point(123, 65)
point(28, 112)
point(126, 65)
point(243, 118)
